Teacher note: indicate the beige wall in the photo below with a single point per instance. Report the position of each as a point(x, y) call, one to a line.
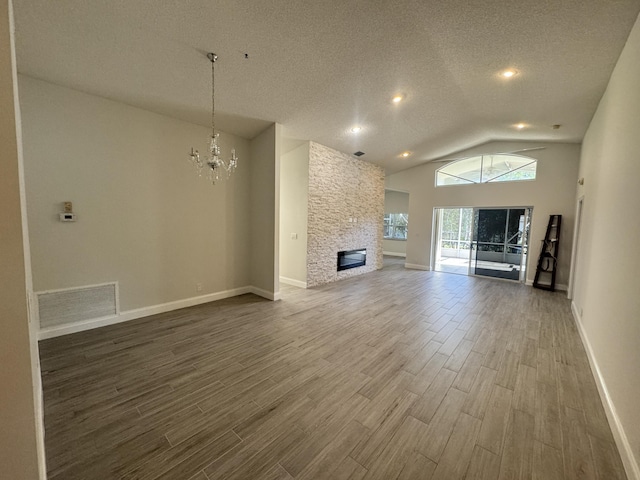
point(265, 212)
point(395, 202)
point(294, 186)
point(20, 418)
point(342, 188)
point(606, 293)
point(553, 192)
point(145, 219)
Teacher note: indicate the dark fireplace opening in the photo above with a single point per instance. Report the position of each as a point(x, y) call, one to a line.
point(352, 258)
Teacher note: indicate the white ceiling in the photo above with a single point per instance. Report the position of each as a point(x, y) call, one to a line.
point(320, 67)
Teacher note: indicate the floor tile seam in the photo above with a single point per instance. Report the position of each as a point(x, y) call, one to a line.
point(198, 450)
point(174, 401)
point(246, 441)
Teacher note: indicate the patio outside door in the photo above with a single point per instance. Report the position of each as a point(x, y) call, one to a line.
point(489, 242)
point(500, 239)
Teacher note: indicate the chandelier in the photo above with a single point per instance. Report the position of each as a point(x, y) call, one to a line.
point(213, 164)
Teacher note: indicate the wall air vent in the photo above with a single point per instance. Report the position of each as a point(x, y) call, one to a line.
point(359, 153)
point(67, 306)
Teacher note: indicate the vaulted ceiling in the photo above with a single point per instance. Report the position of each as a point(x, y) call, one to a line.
point(322, 67)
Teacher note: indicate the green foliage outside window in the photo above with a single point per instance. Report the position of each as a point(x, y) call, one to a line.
point(396, 225)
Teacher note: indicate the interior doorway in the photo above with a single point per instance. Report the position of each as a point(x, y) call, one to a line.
point(490, 242)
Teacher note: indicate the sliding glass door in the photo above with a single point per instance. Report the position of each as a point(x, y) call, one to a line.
point(500, 242)
point(490, 242)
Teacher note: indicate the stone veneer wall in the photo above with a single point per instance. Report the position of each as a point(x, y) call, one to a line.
point(342, 187)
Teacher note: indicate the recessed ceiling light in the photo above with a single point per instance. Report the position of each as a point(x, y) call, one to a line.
point(406, 154)
point(510, 73)
point(397, 99)
point(356, 129)
point(520, 126)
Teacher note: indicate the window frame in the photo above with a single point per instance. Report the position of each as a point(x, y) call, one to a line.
point(467, 181)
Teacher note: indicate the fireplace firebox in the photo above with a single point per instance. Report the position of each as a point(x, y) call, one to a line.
point(352, 259)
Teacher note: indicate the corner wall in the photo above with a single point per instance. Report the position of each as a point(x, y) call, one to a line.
point(606, 295)
point(265, 212)
point(144, 217)
point(294, 196)
point(341, 188)
point(553, 192)
point(21, 445)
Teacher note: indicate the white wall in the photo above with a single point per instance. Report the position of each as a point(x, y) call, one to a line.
point(265, 212)
point(294, 194)
point(606, 292)
point(145, 219)
point(395, 202)
point(553, 192)
point(21, 443)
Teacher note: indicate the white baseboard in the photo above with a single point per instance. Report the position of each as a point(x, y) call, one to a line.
point(395, 254)
point(127, 315)
point(265, 293)
point(60, 330)
point(415, 266)
point(293, 282)
point(626, 453)
point(561, 287)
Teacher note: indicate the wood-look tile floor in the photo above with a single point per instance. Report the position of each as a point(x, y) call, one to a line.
point(396, 374)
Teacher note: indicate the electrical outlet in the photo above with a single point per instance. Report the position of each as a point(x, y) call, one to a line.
point(198, 287)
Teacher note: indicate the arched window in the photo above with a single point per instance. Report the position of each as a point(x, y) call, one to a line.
point(487, 168)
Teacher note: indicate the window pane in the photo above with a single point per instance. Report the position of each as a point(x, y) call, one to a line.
point(493, 166)
point(395, 225)
point(515, 226)
point(467, 223)
point(487, 168)
point(444, 179)
point(526, 172)
point(450, 223)
point(400, 232)
point(491, 225)
point(468, 169)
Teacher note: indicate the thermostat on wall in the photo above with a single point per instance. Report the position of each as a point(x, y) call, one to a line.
point(67, 217)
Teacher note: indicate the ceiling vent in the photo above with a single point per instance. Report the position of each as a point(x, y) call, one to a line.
point(359, 153)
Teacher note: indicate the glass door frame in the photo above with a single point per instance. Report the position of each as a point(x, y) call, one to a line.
point(528, 215)
point(436, 236)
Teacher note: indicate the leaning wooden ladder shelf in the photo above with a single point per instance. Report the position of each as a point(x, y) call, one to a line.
point(548, 261)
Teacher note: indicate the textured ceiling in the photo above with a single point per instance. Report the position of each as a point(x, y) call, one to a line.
point(320, 67)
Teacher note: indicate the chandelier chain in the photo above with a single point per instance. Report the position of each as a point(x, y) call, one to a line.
point(213, 96)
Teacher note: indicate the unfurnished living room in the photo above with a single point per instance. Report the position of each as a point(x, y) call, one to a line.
point(282, 240)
